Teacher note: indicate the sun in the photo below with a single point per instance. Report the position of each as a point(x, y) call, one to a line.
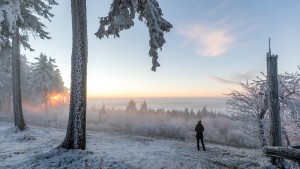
point(56, 99)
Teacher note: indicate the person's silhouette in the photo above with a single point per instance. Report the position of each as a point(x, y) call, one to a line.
point(199, 129)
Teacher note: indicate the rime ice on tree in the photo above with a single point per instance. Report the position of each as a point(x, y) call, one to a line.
point(272, 81)
point(20, 15)
point(121, 17)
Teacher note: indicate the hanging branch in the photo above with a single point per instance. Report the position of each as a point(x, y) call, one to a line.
point(121, 15)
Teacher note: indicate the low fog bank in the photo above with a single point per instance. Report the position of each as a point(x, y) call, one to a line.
point(218, 129)
point(154, 123)
point(218, 104)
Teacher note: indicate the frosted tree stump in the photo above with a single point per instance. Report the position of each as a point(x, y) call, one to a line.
point(273, 102)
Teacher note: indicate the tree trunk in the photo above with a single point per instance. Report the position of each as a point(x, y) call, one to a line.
point(262, 133)
point(275, 127)
point(76, 130)
point(287, 153)
point(46, 100)
point(285, 134)
point(17, 99)
point(0, 105)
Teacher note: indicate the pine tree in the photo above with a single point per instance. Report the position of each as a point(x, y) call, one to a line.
point(16, 81)
point(102, 112)
point(5, 72)
point(120, 17)
point(199, 114)
point(186, 113)
point(5, 89)
point(144, 107)
point(6, 78)
point(4, 84)
point(43, 78)
point(204, 111)
point(76, 129)
point(16, 15)
point(58, 82)
point(131, 107)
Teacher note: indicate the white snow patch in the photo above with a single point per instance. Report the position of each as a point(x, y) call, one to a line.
point(36, 148)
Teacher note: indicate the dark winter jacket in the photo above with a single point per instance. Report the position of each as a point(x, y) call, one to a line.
point(199, 129)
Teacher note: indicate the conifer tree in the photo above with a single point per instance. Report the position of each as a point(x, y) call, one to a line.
point(102, 112)
point(45, 78)
point(131, 107)
point(120, 17)
point(204, 110)
point(16, 15)
point(186, 113)
point(5, 84)
point(58, 83)
point(199, 114)
point(144, 107)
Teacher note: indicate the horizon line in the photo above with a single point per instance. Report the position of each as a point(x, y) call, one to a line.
point(151, 97)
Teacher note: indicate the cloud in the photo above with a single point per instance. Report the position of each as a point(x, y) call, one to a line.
point(244, 76)
point(218, 7)
point(208, 41)
point(236, 78)
point(223, 80)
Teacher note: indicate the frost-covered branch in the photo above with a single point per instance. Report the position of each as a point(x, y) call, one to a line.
point(121, 15)
point(251, 104)
point(10, 12)
point(24, 14)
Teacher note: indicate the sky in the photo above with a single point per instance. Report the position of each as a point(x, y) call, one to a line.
point(214, 46)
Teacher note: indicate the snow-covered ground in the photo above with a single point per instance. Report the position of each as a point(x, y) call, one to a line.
point(36, 148)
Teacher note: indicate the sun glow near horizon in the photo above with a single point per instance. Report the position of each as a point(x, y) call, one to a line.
point(206, 55)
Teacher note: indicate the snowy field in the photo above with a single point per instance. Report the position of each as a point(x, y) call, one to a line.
point(35, 148)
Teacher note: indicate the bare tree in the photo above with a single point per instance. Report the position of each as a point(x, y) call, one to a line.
point(250, 105)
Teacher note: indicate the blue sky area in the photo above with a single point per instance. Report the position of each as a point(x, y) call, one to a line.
point(213, 46)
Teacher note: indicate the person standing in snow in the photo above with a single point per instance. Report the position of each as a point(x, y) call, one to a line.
point(199, 129)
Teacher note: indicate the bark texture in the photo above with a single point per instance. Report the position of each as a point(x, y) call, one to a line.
point(17, 99)
point(287, 153)
point(274, 108)
point(76, 130)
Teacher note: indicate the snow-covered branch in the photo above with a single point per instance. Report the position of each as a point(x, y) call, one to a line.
point(121, 15)
point(24, 14)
